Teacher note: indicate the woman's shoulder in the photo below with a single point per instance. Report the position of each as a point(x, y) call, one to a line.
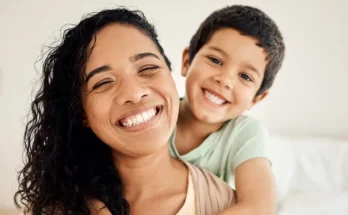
point(96, 207)
point(211, 193)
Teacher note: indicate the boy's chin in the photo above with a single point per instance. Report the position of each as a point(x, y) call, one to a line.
point(209, 118)
point(213, 118)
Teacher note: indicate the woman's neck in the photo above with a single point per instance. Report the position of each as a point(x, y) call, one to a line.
point(151, 174)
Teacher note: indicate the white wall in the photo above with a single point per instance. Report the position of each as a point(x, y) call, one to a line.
point(309, 96)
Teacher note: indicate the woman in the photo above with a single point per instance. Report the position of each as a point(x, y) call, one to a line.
point(97, 140)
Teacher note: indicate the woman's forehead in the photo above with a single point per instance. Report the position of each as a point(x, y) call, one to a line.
point(120, 41)
point(122, 37)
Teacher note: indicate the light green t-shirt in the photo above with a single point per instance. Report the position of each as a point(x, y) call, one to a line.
point(239, 140)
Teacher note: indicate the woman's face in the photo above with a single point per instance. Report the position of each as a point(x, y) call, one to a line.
point(130, 99)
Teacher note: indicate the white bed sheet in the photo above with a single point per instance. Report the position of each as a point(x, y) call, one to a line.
point(312, 175)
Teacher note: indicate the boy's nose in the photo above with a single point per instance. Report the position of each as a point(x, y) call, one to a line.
point(225, 82)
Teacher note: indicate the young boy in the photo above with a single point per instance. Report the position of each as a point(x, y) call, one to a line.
point(229, 67)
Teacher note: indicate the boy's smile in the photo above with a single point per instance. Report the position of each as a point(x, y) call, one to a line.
point(214, 97)
point(224, 76)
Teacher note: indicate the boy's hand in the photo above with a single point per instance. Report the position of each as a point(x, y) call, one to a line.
point(255, 188)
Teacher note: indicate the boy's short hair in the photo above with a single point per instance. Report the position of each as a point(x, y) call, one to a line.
point(248, 21)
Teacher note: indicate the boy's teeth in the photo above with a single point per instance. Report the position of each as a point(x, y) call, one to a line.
point(214, 98)
point(139, 118)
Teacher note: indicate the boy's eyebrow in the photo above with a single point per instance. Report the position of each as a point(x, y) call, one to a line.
point(218, 50)
point(103, 68)
point(252, 68)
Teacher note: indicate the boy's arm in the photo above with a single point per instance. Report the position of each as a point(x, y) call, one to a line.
point(256, 189)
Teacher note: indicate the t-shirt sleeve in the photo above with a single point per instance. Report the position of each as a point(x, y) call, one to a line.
point(251, 141)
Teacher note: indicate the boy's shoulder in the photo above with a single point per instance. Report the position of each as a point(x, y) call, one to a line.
point(243, 129)
point(246, 137)
point(244, 123)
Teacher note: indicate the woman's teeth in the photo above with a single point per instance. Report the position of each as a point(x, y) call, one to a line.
point(139, 118)
point(214, 98)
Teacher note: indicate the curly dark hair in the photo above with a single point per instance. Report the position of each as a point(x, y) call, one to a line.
point(65, 164)
point(248, 21)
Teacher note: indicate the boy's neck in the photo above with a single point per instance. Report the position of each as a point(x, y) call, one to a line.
point(191, 132)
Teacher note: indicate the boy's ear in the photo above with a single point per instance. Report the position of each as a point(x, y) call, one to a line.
point(258, 98)
point(185, 61)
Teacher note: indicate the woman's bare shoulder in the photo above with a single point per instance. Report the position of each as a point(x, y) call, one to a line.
point(98, 208)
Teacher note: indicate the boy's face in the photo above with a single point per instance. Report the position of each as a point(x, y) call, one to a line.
point(224, 76)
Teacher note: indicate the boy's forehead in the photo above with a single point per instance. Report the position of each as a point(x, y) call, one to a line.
point(232, 37)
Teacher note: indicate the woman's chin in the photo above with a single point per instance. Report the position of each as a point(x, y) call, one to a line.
point(143, 149)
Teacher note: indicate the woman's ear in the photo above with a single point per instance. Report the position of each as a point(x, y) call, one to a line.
point(85, 120)
point(185, 61)
point(85, 123)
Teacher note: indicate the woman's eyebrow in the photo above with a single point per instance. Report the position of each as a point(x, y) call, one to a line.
point(143, 55)
point(103, 68)
point(133, 58)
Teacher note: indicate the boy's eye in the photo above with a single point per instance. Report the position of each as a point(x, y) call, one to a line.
point(215, 60)
point(245, 77)
point(99, 84)
point(149, 69)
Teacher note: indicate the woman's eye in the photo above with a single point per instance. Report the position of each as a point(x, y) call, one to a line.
point(245, 77)
point(101, 84)
point(149, 69)
point(215, 60)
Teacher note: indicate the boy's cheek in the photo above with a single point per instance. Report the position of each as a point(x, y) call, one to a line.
point(191, 80)
point(243, 96)
point(196, 76)
point(197, 67)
